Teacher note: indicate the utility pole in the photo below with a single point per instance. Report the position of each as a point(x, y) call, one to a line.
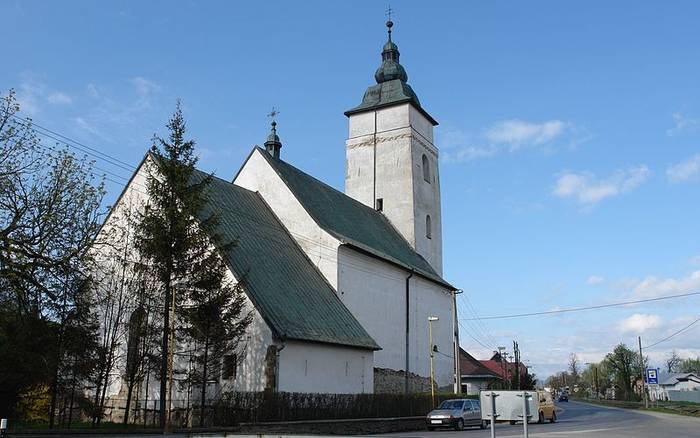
point(455, 329)
point(595, 373)
point(516, 353)
point(504, 380)
point(643, 372)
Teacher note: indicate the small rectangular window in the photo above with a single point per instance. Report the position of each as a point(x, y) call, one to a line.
point(230, 365)
point(380, 204)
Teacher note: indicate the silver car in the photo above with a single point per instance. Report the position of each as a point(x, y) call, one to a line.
point(456, 413)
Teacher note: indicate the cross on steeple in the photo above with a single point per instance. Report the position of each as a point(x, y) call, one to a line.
point(273, 143)
point(273, 114)
point(388, 12)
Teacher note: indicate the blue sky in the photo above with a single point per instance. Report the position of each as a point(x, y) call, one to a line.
point(569, 132)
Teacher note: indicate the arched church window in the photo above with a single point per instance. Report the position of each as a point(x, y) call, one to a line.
point(428, 227)
point(426, 169)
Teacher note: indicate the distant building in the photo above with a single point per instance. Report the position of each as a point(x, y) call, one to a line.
point(474, 375)
point(670, 383)
point(504, 369)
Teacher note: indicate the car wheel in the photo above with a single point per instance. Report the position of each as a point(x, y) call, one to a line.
point(512, 422)
point(459, 425)
point(554, 417)
point(540, 419)
point(483, 424)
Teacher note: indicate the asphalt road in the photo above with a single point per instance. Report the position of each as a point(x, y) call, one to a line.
point(584, 420)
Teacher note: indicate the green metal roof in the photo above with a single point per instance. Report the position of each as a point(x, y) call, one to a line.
point(352, 222)
point(286, 288)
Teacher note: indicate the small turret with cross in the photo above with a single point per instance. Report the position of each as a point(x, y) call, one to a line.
point(273, 143)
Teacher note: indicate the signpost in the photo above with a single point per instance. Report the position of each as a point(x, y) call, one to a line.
point(652, 376)
point(491, 413)
point(526, 412)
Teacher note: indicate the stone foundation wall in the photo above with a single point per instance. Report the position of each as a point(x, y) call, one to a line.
point(388, 381)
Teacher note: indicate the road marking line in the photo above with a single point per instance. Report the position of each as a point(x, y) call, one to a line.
point(576, 432)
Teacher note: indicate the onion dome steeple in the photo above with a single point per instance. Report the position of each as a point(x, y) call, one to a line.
point(392, 87)
point(390, 68)
point(273, 143)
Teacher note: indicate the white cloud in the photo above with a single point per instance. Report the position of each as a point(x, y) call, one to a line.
point(145, 90)
point(518, 133)
point(88, 127)
point(507, 135)
point(639, 323)
point(695, 260)
point(652, 286)
point(595, 280)
point(588, 189)
point(682, 124)
point(684, 171)
point(468, 153)
point(59, 98)
point(144, 86)
point(28, 95)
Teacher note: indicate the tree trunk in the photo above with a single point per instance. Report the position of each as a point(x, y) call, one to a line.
point(204, 383)
point(164, 357)
point(72, 393)
point(129, 393)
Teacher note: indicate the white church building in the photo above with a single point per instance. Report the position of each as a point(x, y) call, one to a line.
point(341, 285)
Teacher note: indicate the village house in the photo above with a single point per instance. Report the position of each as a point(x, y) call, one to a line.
point(475, 376)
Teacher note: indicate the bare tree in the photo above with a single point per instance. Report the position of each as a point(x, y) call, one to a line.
point(673, 362)
point(574, 368)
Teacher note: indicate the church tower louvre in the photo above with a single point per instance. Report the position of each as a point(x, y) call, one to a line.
point(391, 161)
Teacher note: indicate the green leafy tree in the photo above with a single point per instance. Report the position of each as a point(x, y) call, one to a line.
point(50, 211)
point(690, 366)
point(529, 381)
point(624, 367)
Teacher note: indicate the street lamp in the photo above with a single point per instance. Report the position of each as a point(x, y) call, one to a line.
point(432, 375)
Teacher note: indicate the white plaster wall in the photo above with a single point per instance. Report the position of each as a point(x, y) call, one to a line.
point(325, 368)
point(374, 291)
point(427, 202)
point(384, 160)
point(472, 387)
point(251, 362)
point(688, 385)
point(420, 124)
point(319, 246)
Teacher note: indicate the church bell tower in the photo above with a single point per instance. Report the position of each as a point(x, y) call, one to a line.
point(391, 161)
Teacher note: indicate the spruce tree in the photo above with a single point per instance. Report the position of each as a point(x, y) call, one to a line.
point(179, 245)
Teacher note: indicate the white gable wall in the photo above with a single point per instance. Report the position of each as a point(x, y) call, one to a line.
point(251, 365)
point(257, 175)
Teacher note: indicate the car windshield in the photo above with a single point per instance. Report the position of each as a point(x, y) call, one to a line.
point(451, 404)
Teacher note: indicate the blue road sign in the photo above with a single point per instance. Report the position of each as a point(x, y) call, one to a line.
point(652, 376)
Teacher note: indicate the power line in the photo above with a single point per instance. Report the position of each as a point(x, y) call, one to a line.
point(674, 334)
point(476, 329)
point(103, 156)
point(475, 339)
point(482, 327)
point(579, 309)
